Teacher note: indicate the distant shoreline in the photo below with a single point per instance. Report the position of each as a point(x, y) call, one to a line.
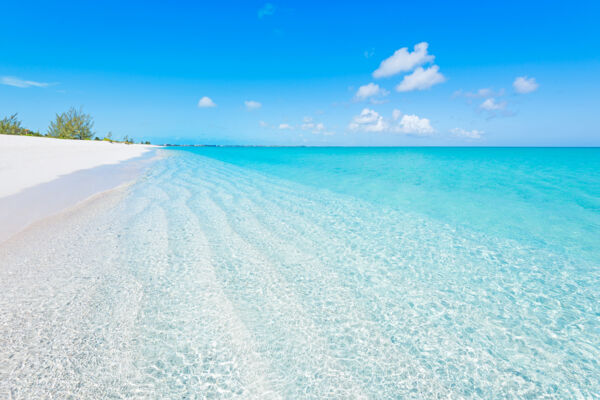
point(375, 147)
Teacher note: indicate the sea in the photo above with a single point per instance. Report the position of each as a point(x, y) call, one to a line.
point(311, 273)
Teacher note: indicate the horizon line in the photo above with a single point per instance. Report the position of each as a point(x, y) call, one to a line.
point(405, 146)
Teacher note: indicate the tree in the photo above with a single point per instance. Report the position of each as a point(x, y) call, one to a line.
point(73, 124)
point(11, 126)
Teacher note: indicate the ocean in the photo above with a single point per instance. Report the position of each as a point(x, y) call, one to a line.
point(252, 272)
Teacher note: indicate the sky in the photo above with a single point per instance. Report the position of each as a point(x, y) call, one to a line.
point(351, 73)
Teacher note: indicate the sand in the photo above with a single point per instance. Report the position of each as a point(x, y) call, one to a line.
point(40, 177)
point(29, 161)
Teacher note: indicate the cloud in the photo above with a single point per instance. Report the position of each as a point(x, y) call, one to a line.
point(252, 105)
point(523, 85)
point(206, 102)
point(20, 83)
point(485, 92)
point(481, 93)
point(403, 60)
point(495, 108)
point(308, 123)
point(285, 126)
point(491, 105)
point(315, 127)
point(412, 125)
point(370, 90)
point(267, 10)
point(263, 124)
point(472, 134)
point(368, 121)
point(421, 79)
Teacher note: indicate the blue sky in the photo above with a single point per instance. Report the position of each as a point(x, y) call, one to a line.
point(309, 73)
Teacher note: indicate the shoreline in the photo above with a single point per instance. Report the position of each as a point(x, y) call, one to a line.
point(21, 210)
point(27, 161)
point(203, 270)
point(48, 222)
point(92, 171)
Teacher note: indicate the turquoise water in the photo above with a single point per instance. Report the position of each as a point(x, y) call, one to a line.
point(547, 195)
point(317, 273)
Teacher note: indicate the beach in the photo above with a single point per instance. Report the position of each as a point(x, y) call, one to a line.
point(42, 176)
point(28, 161)
point(302, 273)
point(393, 200)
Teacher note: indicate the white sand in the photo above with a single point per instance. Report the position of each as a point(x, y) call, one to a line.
point(28, 161)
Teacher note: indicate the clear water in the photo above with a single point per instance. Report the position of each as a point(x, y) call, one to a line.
point(316, 273)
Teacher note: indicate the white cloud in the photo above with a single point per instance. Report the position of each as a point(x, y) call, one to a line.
point(206, 102)
point(523, 85)
point(421, 79)
point(285, 126)
point(472, 134)
point(414, 125)
point(20, 83)
point(263, 124)
point(495, 108)
point(491, 105)
point(402, 60)
point(252, 105)
point(314, 127)
point(368, 121)
point(266, 10)
point(370, 90)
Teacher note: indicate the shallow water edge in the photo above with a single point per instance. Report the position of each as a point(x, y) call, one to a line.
point(33, 204)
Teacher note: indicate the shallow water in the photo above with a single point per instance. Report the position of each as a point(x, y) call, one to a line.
point(311, 273)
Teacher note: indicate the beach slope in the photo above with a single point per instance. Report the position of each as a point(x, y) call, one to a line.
point(42, 176)
point(27, 161)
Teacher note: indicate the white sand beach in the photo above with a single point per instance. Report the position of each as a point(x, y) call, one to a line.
point(42, 176)
point(27, 161)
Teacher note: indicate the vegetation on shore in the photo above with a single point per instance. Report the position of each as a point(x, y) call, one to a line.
point(72, 124)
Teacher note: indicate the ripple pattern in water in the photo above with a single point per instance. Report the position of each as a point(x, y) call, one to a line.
point(207, 279)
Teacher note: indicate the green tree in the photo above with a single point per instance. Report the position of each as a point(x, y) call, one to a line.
point(73, 124)
point(11, 126)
